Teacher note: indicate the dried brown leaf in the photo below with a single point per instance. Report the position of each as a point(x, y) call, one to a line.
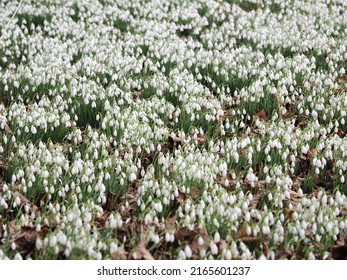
point(300, 124)
point(11, 227)
point(147, 160)
point(3, 166)
point(101, 221)
point(311, 153)
point(199, 137)
point(294, 196)
point(170, 223)
point(175, 140)
point(141, 252)
point(298, 181)
point(250, 240)
point(1, 184)
point(242, 232)
point(195, 192)
point(186, 234)
point(24, 201)
point(222, 245)
point(265, 248)
point(111, 199)
point(193, 240)
point(289, 117)
point(25, 239)
point(41, 201)
point(261, 115)
point(121, 254)
point(328, 175)
point(7, 129)
point(340, 132)
point(181, 198)
point(339, 252)
point(255, 201)
point(137, 93)
point(283, 253)
point(126, 213)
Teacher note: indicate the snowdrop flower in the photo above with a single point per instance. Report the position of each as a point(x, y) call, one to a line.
point(188, 252)
point(311, 256)
point(181, 255)
point(200, 241)
point(167, 237)
point(132, 177)
point(213, 248)
point(216, 237)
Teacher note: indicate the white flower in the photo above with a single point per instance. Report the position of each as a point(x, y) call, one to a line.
point(200, 241)
point(216, 237)
point(311, 256)
point(228, 255)
point(213, 248)
point(167, 237)
point(188, 251)
point(18, 256)
point(181, 255)
point(132, 177)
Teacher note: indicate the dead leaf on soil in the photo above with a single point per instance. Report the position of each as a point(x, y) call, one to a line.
point(126, 213)
point(311, 153)
point(181, 198)
point(41, 201)
point(294, 196)
point(250, 240)
point(141, 252)
point(1, 184)
point(198, 137)
point(186, 234)
point(302, 122)
point(265, 248)
point(195, 192)
point(170, 223)
point(255, 201)
point(137, 93)
point(7, 129)
point(261, 115)
point(193, 240)
point(289, 117)
point(339, 252)
point(340, 132)
point(3, 166)
point(129, 230)
point(147, 160)
point(241, 232)
point(175, 140)
point(111, 199)
point(222, 245)
point(11, 227)
point(298, 181)
point(23, 200)
point(101, 221)
point(121, 254)
point(25, 239)
point(283, 253)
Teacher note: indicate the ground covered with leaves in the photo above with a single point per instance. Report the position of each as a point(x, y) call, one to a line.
point(173, 129)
